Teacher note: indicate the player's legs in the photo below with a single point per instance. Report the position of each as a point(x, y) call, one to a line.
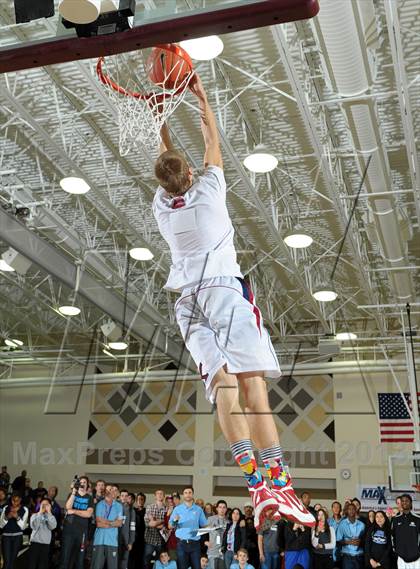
point(264, 435)
point(235, 428)
point(231, 417)
point(258, 414)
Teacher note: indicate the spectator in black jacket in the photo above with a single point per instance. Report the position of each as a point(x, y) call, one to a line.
point(251, 539)
point(13, 521)
point(295, 541)
point(137, 553)
point(378, 546)
point(323, 542)
point(19, 483)
point(127, 532)
point(234, 537)
point(306, 501)
point(4, 478)
point(406, 535)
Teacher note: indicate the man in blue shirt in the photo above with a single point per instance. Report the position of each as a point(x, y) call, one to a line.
point(109, 517)
point(187, 518)
point(350, 533)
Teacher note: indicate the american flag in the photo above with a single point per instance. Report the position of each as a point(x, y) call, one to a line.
point(395, 423)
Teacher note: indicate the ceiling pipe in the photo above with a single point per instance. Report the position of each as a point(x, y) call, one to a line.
point(331, 368)
point(347, 35)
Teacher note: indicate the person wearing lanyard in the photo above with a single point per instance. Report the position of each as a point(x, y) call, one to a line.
point(109, 517)
point(350, 532)
point(186, 519)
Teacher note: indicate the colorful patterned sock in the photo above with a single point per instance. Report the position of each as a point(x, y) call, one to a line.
point(277, 471)
point(244, 456)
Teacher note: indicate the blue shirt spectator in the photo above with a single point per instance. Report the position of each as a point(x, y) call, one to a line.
point(236, 566)
point(350, 533)
point(190, 519)
point(334, 522)
point(109, 511)
point(164, 562)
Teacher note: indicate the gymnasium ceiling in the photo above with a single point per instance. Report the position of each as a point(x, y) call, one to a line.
point(279, 85)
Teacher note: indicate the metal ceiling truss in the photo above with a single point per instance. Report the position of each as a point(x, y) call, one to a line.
point(69, 127)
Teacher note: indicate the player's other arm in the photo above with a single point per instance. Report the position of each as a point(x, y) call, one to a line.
point(212, 156)
point(166, 142)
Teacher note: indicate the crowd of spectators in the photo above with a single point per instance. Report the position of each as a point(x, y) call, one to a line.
point(101, 525)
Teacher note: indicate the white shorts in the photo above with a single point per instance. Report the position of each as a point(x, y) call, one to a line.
point(221, 325)
point(405, 565)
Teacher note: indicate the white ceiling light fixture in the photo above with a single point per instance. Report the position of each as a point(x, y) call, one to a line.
point(297, 238)
point(5, 267)
point(69, 310)
point(80, 11)
point(13, 343)
point(260, 160)
point(325, 294)
point(74, 185)
point(118, 345)
point(141, 254)
point(346, 336)
point(203, 49)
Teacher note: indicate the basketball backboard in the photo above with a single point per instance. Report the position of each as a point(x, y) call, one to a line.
point(46, 41)
point(404, 471)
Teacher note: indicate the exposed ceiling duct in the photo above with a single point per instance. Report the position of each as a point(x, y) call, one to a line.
point(347, 35)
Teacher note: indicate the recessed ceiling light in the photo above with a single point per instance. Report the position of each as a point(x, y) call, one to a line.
point(5, 267)
point(73, 185)
point(13, 343)
point(203, 49)
point(260, 160)
point(346, 336)
point(141, 254)
point(298, 239)
point(325, 295)
point(118, 345)
point(69, 310)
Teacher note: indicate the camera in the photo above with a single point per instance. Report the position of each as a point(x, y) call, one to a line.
point(76, 482)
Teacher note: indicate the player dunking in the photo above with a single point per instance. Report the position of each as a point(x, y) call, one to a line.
point(219, 321)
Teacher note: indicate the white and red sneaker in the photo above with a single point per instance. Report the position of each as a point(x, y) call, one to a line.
point(290, 506)
point(263, 501)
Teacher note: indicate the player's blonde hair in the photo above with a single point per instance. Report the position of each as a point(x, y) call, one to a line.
point(172, 171)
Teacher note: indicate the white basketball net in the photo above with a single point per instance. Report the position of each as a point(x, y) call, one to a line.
point(141, 105)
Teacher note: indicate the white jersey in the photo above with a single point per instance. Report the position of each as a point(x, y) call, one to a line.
point(200, 233)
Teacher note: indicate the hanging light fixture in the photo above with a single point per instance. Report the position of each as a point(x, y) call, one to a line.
point(121, 345)
point(69, 310)
point(13, 343)
point(324, 294)
point(260, 160)
point(74, 185)
point(297, 238)
point(346, 336)
point(203, 49)
point(141, 254)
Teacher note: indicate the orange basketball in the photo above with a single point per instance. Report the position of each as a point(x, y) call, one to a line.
point(168, 66)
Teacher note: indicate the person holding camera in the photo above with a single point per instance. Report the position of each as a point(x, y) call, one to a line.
point(42, 524)
point(79, 510)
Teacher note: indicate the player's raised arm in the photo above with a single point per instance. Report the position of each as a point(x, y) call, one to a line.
point(166, 142)
point(212, 156)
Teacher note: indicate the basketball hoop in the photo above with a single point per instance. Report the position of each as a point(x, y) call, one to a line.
point(145, 87)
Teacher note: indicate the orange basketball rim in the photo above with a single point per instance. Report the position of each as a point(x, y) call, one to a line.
point(174, 50)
